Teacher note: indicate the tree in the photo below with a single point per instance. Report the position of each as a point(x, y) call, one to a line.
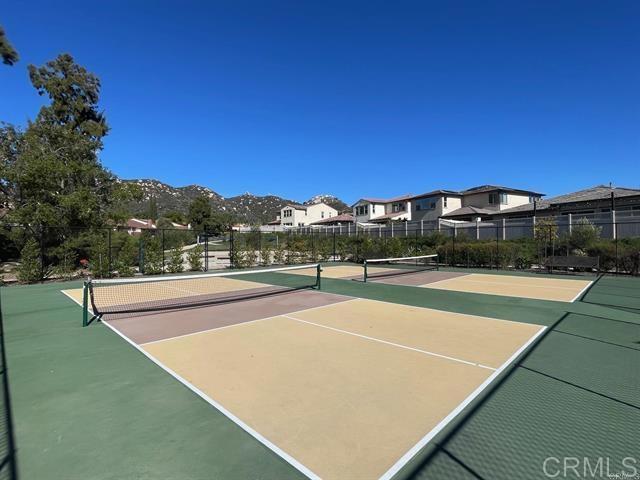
point(177, 217)
point(152, 209)
point(29, 270)
point(194, 257)
point(220, 223)
point(176, 261)
point(8, 53)
point(199, 213)
point(51, 171)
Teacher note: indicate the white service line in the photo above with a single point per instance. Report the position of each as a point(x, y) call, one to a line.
point(406, 347)
point(454, 413)
point(243, 323)
point(266, 442)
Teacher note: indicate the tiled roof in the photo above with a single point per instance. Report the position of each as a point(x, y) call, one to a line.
point(437, 192)
point(295, 206)
point(343, 218)
point(599, 192)
point(464, 211)
point(493, 188)
point(388, 216)
point(406, 196)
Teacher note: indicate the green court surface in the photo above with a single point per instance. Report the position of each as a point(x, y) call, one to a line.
point(86, 405)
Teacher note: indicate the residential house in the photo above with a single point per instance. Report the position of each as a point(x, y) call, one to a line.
point(485, 201)
point(342, 219)
point(135, 226)
point(432, 205)
point(600, 199)
point(303, 215)
point(377, 210)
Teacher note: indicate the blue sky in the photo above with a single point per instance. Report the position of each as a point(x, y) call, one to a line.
point(356, 99)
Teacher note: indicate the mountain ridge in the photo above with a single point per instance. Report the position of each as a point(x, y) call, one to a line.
point(246, 207)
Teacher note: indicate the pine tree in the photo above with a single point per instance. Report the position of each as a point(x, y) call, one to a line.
point(30, 269)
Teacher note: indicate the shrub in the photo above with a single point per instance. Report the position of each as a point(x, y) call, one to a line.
point(152, 256)
point(279, 254)
point(583, 235)
point(176, 260)
point(30, 270)
point(194, 257)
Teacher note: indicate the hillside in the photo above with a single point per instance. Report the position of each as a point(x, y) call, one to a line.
point(246, 207)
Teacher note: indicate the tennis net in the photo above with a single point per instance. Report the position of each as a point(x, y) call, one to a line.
point(387, 267)
point(121, 296)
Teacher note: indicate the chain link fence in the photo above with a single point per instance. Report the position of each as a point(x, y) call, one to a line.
point(526, 244)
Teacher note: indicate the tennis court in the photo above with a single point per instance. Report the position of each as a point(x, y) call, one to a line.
point(339, 387)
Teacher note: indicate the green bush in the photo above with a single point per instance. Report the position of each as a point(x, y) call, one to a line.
point(194, 257)
point(279, 254)
point(152, 256)
point(176, 261)
point(30, 270)
point(265, 255)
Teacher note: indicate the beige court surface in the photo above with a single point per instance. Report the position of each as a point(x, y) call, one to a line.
point(339, 271)
point(345, 390)
point(161, 290)
point(540, 288)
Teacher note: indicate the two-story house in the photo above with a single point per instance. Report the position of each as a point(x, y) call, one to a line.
point(486, 200)
point(378, 210)
point(303, 215)
point(432, 205)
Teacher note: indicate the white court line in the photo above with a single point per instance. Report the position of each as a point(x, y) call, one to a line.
point(582, 291)
point(406, 347)
point(454, 413)
point(267, 443)
point(244, 323)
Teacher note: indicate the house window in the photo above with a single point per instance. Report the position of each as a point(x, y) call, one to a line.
point(444, 202)
point(426, 204)
point(287, 213)
point(497, 198)
point(397, 207)
point(321, 214)
point(362, 210)
point(532, 198)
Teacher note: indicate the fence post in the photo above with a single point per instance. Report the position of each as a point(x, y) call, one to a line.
point(422, 228)
point(613, 221)
point(162, 243)
point(232, 253)
point(615, 241)
point(109, 250)
point(392, 229)
point(570, 220)
point(453, 250)
point(477, 229)
point(206, 250)
point(42, 230)
point(498, 246)
point(334, 245)
point(504, 229)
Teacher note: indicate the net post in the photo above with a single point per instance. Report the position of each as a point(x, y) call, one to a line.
point(85, 303)
point(365, 270)
point(318, 276)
